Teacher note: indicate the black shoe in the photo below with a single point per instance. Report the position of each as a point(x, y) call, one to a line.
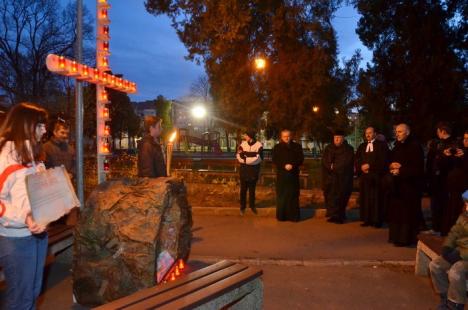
point(242, 212)
point(365, 224)
point(335, 220)
point(254, 210)
point(378, 225)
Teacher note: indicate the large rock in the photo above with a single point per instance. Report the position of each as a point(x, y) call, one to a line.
point(123, 229)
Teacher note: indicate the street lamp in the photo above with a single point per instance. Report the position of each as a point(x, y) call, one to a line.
point(260, 63)
point(199, 111)
point(315, 109)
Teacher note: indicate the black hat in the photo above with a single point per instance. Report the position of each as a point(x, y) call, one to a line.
point(339, 132)
point(251, 133)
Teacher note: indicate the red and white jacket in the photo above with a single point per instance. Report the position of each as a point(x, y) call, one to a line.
point(14, 201)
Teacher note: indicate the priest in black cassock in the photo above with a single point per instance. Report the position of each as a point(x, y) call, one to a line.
point(407, 173)
point(287, 157)
point(337, 177)
point(371, 166)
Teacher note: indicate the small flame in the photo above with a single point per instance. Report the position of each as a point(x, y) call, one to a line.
point(173, 136)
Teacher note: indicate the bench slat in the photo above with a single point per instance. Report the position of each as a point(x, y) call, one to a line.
point(193, 286)
point(213, 291)
point(153, 291)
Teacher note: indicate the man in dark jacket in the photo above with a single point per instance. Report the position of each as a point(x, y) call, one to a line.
point(337, 176)
point(57, 151)
point(151, 161)
point(407, 173)
point(371, 166)
point(287, 157)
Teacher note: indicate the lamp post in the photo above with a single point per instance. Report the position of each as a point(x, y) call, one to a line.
point(199, 112)
point(170, 146)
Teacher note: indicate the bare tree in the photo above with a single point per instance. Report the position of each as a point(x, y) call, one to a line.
point(201, 88)
point(29, 31)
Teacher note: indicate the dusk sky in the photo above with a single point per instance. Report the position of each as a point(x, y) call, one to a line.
point(146, 49)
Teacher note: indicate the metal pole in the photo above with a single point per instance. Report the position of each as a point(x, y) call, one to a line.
point(79, 105)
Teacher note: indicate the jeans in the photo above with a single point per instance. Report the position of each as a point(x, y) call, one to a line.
point(449, 279)
point(23, 260)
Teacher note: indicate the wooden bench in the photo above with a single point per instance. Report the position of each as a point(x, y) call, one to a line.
point(428, 248)
point(60, 238)
point(219, 286)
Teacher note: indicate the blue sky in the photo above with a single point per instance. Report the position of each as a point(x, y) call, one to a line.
point(147, 50)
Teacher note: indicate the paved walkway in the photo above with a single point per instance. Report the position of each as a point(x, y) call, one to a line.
point(307, 265)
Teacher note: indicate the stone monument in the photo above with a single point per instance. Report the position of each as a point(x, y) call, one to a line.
point(129, 231)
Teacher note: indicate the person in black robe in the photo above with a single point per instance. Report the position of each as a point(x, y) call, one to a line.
point(457, 183)
point(337, 175)
point(407, 173)
point(371, 166)
point(287, 157)
point(439, 164)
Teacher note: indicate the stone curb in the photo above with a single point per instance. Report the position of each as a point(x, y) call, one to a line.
point(304, 263)
point(265, 212)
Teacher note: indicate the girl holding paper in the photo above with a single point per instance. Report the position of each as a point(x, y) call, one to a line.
point(23, 242)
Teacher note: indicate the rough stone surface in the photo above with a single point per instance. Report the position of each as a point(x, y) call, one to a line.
point(123, 228)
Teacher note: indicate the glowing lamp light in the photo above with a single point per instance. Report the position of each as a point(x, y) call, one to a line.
point(61, 62)
point(107, 130)
point(105, 147)
point(315, 109)
point(177, 271)
point(106, 165)
point(74, 67)
point(105, 46)
point(173, 136)
point(199, 111)
point(105, 30)
point(260, 63)
point(181, 264)
point(84, 71)
point(96, 74)
point(172, 277)
point(105, 112)
point(104, 96)
point(104, 13)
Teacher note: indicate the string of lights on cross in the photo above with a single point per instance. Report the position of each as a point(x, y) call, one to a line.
point(101, 78)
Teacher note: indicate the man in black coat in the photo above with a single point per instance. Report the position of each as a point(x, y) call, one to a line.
point(371, 166)
point(287, 157)
point(438, 166)
point(407, 173)
point(151, 161)
point(337, 176)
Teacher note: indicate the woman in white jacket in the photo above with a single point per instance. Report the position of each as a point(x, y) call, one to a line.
point(23, 242)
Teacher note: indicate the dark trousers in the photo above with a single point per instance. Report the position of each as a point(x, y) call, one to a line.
point(244, 187)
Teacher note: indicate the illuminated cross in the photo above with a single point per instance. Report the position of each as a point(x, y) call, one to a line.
point(98, 76)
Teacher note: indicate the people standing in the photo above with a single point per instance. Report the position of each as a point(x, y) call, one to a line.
point(250, 156)
point(438, 165)
point(151, 160)
point(407, 172)
point(58, 151)
point(337, 177)
point(287, 157)
point(371, 166)
point(23, 242)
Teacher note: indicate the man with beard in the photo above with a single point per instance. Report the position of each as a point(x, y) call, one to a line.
point(407, 171)
point(337, 175)
point(371, 166)
point(287, 157)
point(438, 165)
